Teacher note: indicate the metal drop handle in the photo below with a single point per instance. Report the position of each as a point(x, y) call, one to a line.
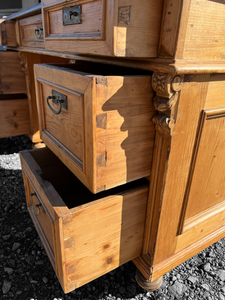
point(60, 101)
point(39, 32)
point(37, 205)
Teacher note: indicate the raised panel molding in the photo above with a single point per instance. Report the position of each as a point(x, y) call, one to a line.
point(205, 192)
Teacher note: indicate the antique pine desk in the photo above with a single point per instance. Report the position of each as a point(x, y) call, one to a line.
point(147, 143)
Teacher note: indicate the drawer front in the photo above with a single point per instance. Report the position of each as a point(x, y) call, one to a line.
point(104, 27)
point(104, 133)
point(14, 117)
point(31, 32)
point(12, 78)
point(85, 235)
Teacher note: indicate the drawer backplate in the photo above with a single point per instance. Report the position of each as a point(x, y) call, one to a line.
point(72, 15)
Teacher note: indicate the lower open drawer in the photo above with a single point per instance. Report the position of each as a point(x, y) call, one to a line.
point(85, 235)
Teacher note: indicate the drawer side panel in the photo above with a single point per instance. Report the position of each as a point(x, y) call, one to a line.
point(103, 236)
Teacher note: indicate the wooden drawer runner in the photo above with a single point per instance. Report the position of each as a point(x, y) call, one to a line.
point(30, 32)
point(85, 235)
point(14, 115)
point(106, 27)
point(106, 134)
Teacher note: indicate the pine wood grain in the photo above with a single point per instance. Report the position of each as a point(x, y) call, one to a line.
point(27, 35)
point(14, 117)
point(204, 35)
point(124, 136)
point(110, 28)
point(8, 33)
point(92, 234)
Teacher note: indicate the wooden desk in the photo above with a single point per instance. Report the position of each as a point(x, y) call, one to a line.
point(185, 205)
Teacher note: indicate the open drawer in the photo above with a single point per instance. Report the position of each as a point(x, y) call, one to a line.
point(97, 119)
point(85, 235)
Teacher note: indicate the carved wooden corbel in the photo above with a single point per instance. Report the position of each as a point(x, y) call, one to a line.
point(23, 62)
point(163, 123)
point(166, 87)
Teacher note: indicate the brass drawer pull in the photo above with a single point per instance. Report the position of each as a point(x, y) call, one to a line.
point(58, 99)
point(37, 205)
point(39, 32)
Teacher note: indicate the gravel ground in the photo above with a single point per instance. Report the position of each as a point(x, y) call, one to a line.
point(27, 274)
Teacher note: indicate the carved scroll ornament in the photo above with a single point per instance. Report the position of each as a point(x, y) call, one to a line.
point(166, 87)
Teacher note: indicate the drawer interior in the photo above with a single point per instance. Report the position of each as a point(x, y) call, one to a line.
point(101, 69)
point(70, 189)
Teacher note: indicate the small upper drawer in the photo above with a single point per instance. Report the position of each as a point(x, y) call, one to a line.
point(30, 32)
point(103, 131)
point(12, 78)
point(8, 33)
point(105, 27)
point(85, 235)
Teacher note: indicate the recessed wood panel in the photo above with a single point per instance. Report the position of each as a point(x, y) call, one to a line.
point(92, 24)
point(216, 91)
point(207, 183)
point(67, 126)
point(30, 36)
point(12, 78)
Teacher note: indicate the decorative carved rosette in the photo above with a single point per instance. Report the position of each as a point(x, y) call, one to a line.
point(166, 87)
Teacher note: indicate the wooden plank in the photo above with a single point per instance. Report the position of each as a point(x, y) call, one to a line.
point(119, 230)
point(125, 23)
point(12, 79)
point(216, 91)
point(204, 36)
point(8, 33)
point(169, 28)
point(129, 132)
point(182, 144)
point(14, 117)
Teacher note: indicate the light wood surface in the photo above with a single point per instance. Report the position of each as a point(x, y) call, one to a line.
point(112, 28)
point(26, 33)
point(122, 128)
point(14, 117)
point(12, 79)
point(27, 64)
point(87, 242)
point(8, 33)
point(106, 134)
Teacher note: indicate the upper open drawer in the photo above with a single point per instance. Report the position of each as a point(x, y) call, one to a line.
point(104, 27)
point(103, 131)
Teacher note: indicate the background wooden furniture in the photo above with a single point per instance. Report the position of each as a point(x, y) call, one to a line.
point(14, 110)
point(185, 206)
